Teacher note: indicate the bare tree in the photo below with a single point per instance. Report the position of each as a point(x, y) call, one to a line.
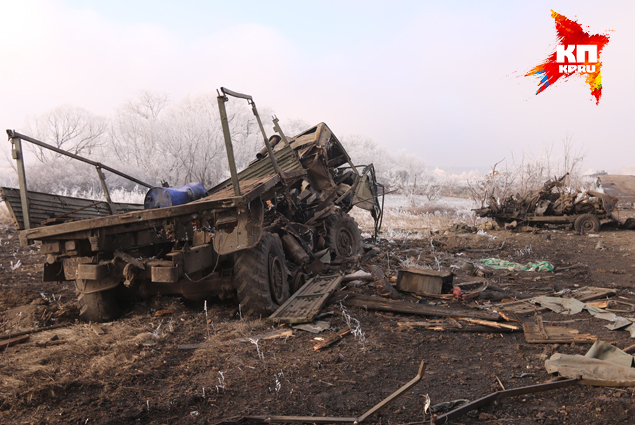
point(572, 161)
point(67, 127)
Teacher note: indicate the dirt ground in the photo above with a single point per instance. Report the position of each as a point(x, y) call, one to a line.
point(135, 373)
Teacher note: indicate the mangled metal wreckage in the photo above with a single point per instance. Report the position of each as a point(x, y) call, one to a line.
point(585, 210)
point(257, 236)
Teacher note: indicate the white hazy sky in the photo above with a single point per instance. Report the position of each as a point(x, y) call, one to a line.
point(443, 79)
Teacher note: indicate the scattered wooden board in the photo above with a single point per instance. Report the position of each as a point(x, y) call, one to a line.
point(306, 303)
point(279, 333)
point(17, 340)
point(538, 333)
point(97, 329)
point(381, 304)
point(332, 340)
point(450, 327)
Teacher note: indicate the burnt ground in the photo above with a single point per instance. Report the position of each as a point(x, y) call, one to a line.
point(135, 372)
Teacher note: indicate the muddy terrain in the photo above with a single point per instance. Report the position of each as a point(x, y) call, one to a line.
point(133, 371)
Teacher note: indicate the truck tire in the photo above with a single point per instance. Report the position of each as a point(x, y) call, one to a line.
point(343, 235)
point(260, 277)
point(587, 223)
point(98, 306)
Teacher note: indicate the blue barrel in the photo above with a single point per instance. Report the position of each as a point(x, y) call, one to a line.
point(160, 197)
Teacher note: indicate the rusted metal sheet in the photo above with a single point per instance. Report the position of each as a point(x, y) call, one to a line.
point(241, 230)
point(93, 271)
point(166, 274)
point(197, 258)
point(305, 304)
point(286, 158)
point(524, 307)
point(43, 207)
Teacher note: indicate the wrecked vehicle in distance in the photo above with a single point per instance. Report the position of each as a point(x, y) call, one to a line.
point(585, 210)
point(257, 236)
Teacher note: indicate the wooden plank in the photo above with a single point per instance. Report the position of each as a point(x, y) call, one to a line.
point(17, 340)
point(422, 281)
point(448, 327)
point(97, 329)
point(332, 340)
point(306, 303)
point(278, 333)
point(538, 333)
point(377, 303)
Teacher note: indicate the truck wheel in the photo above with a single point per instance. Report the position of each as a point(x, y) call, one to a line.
point(343, 235)
point(98, 306)
point(587, 223)
point(260, 277)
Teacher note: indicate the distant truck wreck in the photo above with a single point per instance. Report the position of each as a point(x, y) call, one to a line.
point(257, 236)
point(546, 206)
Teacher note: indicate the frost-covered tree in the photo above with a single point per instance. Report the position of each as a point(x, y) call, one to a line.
point(66, 127)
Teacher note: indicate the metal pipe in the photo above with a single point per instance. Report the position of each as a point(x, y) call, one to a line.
point(228, 142)
point(250, 100)
point(274, 161)
point(13, 134)
point(19, 158)
point(104, 187)
point(277, 129)
point(503, 394)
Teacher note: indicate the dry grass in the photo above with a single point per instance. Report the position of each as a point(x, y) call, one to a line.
point(414, 222)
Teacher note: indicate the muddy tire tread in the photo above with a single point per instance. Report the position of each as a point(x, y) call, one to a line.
point(98, 306)
point(251, 269)
point(336, 222)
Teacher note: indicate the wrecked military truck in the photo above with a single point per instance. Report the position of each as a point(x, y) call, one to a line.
point(256, 236)
point(585, 210)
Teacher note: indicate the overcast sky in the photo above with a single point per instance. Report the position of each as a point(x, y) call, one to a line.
point(441, 79)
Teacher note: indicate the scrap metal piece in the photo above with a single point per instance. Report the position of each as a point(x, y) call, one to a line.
point(502, 394)
point(395, 395)
point(315, 327)
point(602, 365)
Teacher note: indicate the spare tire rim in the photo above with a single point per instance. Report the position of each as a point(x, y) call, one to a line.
point(276, 278)
point(345, 243)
